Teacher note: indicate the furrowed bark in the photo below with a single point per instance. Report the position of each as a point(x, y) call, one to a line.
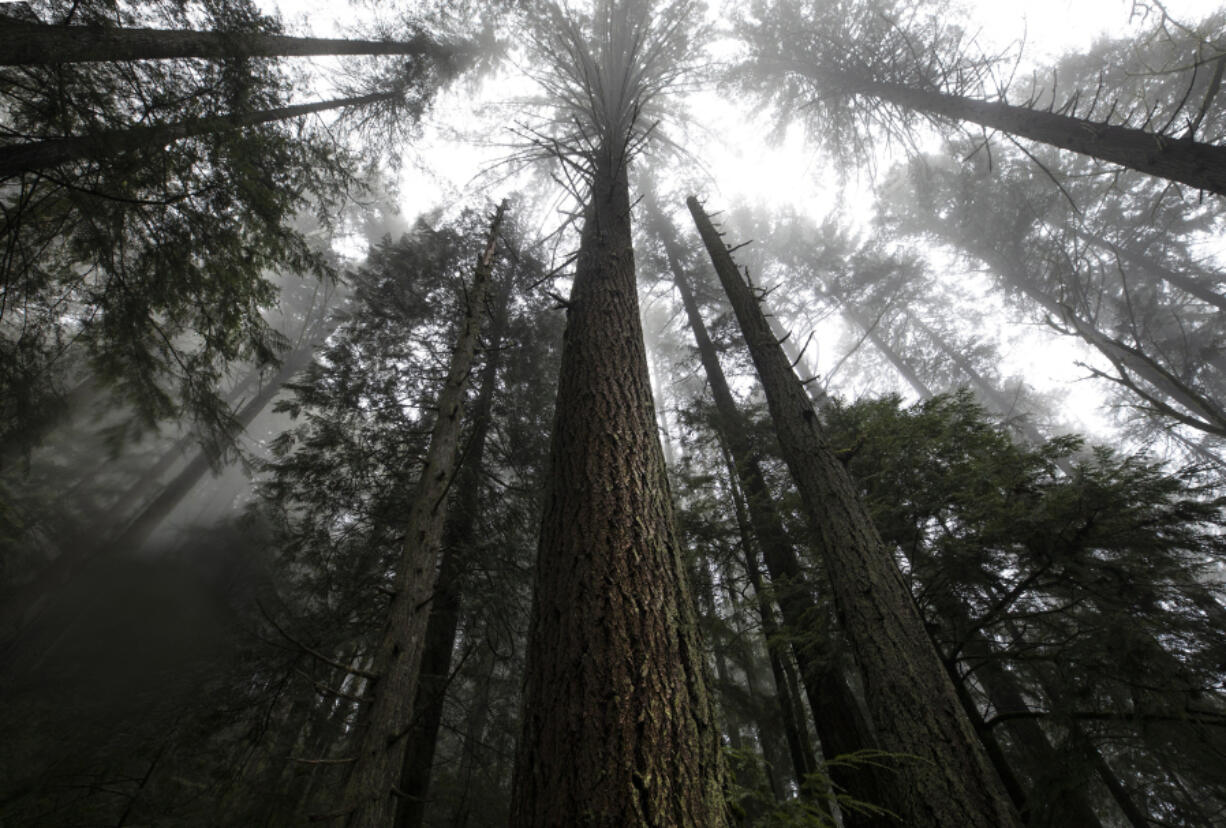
point(943, 775)
point(618, 726)
point(371, 790)
point(32, 44)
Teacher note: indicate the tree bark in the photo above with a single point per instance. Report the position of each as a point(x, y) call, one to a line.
point(39, 155)
point(1190, 162)
point(32, 44)
point(371, 790)
point(840, 727)
point(618, 726)
point(944, 777)
point(459, 543)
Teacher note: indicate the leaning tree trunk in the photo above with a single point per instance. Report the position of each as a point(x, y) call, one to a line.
point(1156, 270)
point(34, 44)
point(943, 775)
point(459, 543)
point(39, 155)
point(618, 726)
point(369, 797)
point(1190, 162)
point(840, 727)
point(791, 714)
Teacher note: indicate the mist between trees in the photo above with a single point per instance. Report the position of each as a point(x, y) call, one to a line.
point(599, 493)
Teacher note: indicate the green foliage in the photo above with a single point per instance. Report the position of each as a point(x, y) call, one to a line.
point(812, 808)
point(1089, 590)
point(148, 268)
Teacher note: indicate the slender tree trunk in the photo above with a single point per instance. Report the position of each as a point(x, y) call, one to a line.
point(840, 727)
point(1205, 414)
point(39, 155)
point(945, 777)
point(800, 748)
point(371, 790)
point(472, 750)
point(1190, 162)
point(1156, 270)
point(1038, 756)
point(618, 726)
point(989, 392)
point(896, 359)
point(29, 44)
point(459, 543)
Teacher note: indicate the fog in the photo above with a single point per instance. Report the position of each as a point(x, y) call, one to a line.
point(332, 491)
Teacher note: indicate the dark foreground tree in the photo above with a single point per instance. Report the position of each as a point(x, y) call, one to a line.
point(946, 777)
point(24, 44)
point(618, 726)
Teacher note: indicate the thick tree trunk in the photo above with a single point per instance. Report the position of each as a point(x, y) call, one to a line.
point(28, 44)
point(944, 776)
point(1190, 162)
point(840, 727)
point(618, 726)
point(38, 155)
point(459, 542)
point(371, 791)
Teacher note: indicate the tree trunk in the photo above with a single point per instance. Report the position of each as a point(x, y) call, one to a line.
point(38, 155)
point(1190, 162)
point(371, 790)
point(944, 777)
point(31, 44)
point(459, 543)
point(1204, 414)
point(618, 726)
point(840, 727)
point(471, 760)
point(800, 748)
point(1188, 284)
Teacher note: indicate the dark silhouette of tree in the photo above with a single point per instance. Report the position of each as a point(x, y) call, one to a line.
point(909, 696)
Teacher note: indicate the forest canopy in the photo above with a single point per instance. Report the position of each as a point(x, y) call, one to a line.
point(611, 413)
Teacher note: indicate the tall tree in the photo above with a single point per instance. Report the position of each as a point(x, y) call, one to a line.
point(948, 779)
point(142, 266)
point(369, 796)
point(841, 727)
point(903, 64)
point(618, 725)
point(23, 44)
